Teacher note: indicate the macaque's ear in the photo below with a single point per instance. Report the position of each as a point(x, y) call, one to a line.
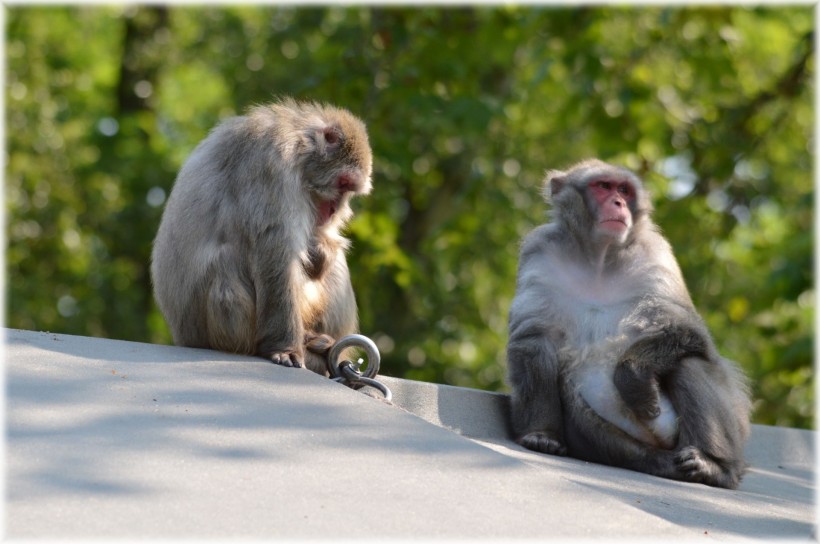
point(553, 183)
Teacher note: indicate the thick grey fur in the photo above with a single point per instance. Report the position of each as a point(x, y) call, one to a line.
point(248, 257)
point(584, 304)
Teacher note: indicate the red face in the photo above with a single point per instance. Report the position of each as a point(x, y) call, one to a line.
point(614, 198)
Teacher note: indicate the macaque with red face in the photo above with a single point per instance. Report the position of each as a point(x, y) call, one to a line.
point(612, 197)
point(249, 257)
point(608, 359)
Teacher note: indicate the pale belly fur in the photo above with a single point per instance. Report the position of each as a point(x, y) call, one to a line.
point(599, 392)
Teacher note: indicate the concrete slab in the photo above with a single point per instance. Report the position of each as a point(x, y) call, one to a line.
point(125, 440)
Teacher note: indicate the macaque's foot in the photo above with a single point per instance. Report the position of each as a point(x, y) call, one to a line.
point(317, 348)
point(541, 441)
point(691, 463)
point(287, 358)
point(695, 466)
point(318, 343)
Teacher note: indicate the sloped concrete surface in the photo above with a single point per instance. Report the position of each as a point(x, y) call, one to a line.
point(118, 439)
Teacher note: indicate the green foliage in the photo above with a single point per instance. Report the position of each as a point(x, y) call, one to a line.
point(466, 108)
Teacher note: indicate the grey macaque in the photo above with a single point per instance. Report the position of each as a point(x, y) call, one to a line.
point(608, 359)
point(248, 257)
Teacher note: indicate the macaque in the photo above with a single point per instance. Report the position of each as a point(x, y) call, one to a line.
point(608, 360)
point(248, 257)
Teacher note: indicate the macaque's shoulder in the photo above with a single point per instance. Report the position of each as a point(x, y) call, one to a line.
point(540, 241)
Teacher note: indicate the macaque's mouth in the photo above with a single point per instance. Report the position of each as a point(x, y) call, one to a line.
point(326, 210)
point(614, 224)
point(331, 199)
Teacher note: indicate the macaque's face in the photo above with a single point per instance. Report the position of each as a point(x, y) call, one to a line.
point(615, 200)
point(340, 168)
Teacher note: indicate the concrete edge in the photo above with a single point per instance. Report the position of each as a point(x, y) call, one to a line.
point(484, 415)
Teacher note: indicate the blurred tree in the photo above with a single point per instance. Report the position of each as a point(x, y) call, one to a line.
point(466, 108)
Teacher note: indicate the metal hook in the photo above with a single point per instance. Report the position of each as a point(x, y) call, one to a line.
point(349, 372)
point(360, 341)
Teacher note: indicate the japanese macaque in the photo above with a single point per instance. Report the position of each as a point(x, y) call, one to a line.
point(608, 359)
point(248, 257)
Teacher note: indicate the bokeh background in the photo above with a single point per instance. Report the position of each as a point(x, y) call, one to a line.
point(466, 108)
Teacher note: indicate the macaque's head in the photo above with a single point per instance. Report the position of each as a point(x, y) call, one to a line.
point(331, 152)
point(337, 152)
point(600, 201)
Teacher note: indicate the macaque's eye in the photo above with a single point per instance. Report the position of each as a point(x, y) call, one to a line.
point(605, 185)
point(331, 136)
point(625, 190)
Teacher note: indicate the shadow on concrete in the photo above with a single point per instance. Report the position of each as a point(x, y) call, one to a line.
point(125, 403)
point(120, 439)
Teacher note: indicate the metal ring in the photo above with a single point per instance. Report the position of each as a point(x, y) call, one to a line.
point(359, 381)
point(360, 341)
